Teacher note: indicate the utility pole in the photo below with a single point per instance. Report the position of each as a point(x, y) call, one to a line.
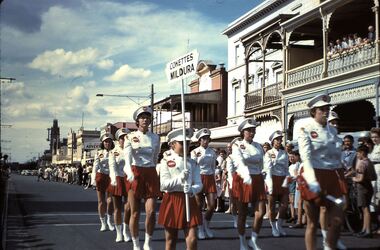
point(151, 105)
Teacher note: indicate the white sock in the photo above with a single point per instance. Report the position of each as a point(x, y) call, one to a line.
point(148, 239)
point(242, 239)
point(102, 220)
point(136, 242)
point(254, 236)
point(272, 224)
point(119, 236)
point(109, 218)
point(324, 234)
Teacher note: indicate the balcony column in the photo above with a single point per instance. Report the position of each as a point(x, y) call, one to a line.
point(325, 33)
point(264, 76)
point(377, 29)
point(286, 63)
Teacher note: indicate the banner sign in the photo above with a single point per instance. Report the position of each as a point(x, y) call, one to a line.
point(182, 67)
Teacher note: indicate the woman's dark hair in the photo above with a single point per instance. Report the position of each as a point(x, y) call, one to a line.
point(312, 112)
point(137, 120)
point(364, 149)
point(267, 144)
point(102, 145)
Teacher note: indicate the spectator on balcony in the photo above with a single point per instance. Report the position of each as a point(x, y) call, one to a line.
point(338, 45)
point(331, 49)
point(358, 39)
point(345, 43)
point(371, 34)
point(351, 41)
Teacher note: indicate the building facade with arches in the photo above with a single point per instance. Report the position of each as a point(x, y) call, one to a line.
point(279, 58)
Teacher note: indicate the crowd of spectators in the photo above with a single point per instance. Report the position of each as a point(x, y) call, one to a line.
point(350, 42)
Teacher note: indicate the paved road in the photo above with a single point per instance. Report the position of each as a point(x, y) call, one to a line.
point(50, 215)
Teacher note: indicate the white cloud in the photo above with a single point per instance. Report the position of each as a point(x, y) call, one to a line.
point(126, 72)
point(67, 64)
point(105, 64)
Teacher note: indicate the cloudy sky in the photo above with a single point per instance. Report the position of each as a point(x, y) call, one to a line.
point(62, 53)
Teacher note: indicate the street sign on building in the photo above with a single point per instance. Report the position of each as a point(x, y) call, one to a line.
point(91, 145)
point(182, 67)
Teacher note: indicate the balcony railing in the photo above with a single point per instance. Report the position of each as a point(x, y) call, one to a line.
point(339, 63)
point(168, 126)
point(262, 97)
point(306, 73)
point(351, 59)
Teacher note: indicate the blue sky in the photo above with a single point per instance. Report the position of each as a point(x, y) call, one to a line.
point(62, 53)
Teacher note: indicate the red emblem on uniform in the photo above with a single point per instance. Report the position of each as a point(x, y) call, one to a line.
point(171, 164)
point(313, 134)
point(199, 154)
point(116, 154)
point(242, 146)
point(101, 156)
point(135, 139)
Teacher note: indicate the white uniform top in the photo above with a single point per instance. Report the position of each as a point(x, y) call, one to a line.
point(248, 157)
point(347, 158)
point(141, 149)
point(231, 165)
point(100, 163)
point(206, 159)
point(116, 162)
point(294, 169)
point(171, 167)
point(375, 155)
point(276, 162)
point(320, 148)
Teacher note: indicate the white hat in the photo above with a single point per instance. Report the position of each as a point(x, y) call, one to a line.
point(275, 135)
point(248, 123)
point(333, 116)
point(177, 135)
point(144, 109)
point(105, 136)
point(319, 101)
point(202, 132)
point(121, 132)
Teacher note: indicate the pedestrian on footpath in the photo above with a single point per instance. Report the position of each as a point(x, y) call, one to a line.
point(249, 184)
point(205, 158)
point(276, 162)
point(176, 181)
point(100, 178)
point(141, 149)
point(320, 150)
point(120, 187)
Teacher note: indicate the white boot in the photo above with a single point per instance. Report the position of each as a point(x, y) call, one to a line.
point(252, 242)
point(235, 220)
point(126, 235)
point(109, 223)
point(119, 236)
point(275, 232)
point(201, 233)
point(324, 236)
point(104, 225)
point(340, 245)
point(148, 242)
point(243, 242)
point(208, 231)
point(136, 243)
point(279, 227)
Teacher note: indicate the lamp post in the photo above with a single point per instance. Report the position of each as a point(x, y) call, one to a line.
point(130, 97)
point(3, 79)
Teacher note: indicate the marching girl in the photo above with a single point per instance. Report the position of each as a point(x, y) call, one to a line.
point(206, 160)
point(232, 175)
point(100, 178)
point(175, 182)
point(141, 150)
point(119, 186)
point(276, 166)
point(249, 184)
point(320, 150)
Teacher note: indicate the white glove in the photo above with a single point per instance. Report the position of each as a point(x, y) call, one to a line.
point(130, 177)
point(187, 189)
point(113, 180)
point(247, 179)
point(314, 187)
point(184, 175)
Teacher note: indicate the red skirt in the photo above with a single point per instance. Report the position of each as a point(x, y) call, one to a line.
point(172, 212)
point(209, 185)
point(329, 183)
point(146, 183)
point(102, 182)
point(237, 182)
point(252, 193)
point(278, 190)
point(127, 184)
point(342, 181)
point(119, 189)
